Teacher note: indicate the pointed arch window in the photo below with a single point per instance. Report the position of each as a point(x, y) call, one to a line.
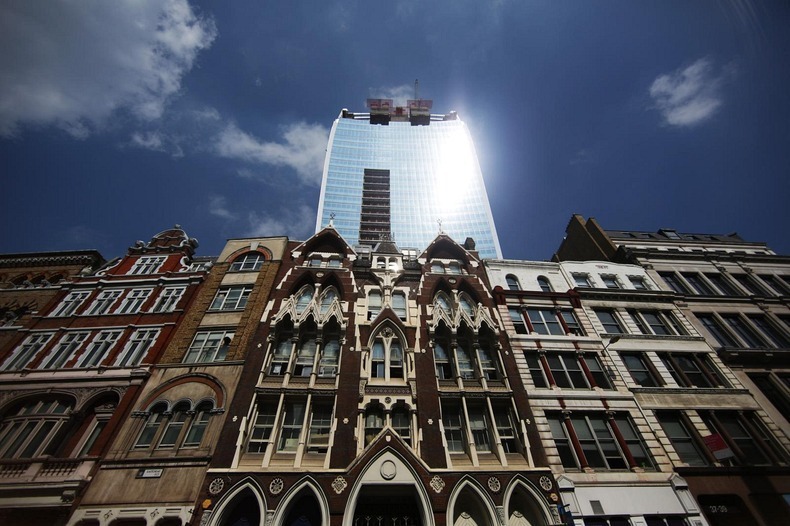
point(512, 282)
point(544, 284)
point(442, 302)
point(386, 355)
point(327, 299)
point(303, 299)
point(466, 304)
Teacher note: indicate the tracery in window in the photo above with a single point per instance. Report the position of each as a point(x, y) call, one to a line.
point(303, 298)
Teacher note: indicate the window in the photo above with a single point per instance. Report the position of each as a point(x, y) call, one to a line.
point(698, 284)
point(330, 356)
point(594, 435)
point(463, 361)
point(638, 282)
point(478, 424)
point(320, 428)
point(247, 262)
point(374, 304)
point(749, 440)
point(582, 280)
point(151, 427)
point(70, 303)
point(209, 346)
point(147, 264)
point(518, 321)
point(387, 359)
point(103, 302)
point(544, 321)
point(137, 347)
point(572, 323)
point(721, 283)
point(569, 371)
point(444, 370)
point(660, 323)
point(374, 423)
point(180, 427)
point(453, 427)
point(544, 284)
point(199, 424)
point(305, 355)
point(64, 350)
point(98, 349)
point(609, 321)
point(401, 423)
point(671, 279)
point(282, 355)
point(31, 431)
point(536, 370)
point(437, 268)
point(168, 299)
point(692, 370)
point(25, 353)
point(399, 304)
point(231, 298)
point(506, 429)
point(175, 425)
point(779, 287)
point(467, 307)
point(303, 299)
point(133, 301)
point(487, 364)
point(641, 370)
point(291, 426)
point(453, 268)
point(610, 281)
point(746, 282)
point(716, 330)
point(262, 427)
point(512, 282)
point(327, 299)
point(743, 330)
point(773, 333)
point(771, 387)
point(683, 440)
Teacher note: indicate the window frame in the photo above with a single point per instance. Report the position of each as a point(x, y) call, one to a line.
point(146, 265)
point(103, 302)
point(133, 301)
point(137, 347)
point(251, 261)
point(202, 353)
point(27, 351)
point(66, 348)
point(231, 298)
point(70, 304)
point(168, 299)
point(615, 321)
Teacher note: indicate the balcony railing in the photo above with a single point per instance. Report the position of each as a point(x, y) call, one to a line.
point(44, 469)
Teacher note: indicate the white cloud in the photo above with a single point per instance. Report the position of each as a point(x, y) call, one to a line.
point(218, 206)
point(398, 94)
point(296, 222)
point(72, 64)
point(302, 148)
point(690, 95)
point(158, 142)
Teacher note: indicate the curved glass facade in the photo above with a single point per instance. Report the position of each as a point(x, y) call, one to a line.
point(434, 176)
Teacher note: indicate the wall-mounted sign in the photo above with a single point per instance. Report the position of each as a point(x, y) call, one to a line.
point(149, 473)
point(718, 446)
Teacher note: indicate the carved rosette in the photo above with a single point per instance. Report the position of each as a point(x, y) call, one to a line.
point(216, 486)
point(494, 485)
point(545, 483)
point(276, 486)
point(339, 485)
point(437, 484)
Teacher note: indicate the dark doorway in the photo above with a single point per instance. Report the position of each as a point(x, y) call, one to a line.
point(242, 511)
point(304, 511)
point(388, 505)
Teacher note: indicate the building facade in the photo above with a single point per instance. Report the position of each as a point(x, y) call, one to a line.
point(732, 449)
point(379, 389)
point(406, 173)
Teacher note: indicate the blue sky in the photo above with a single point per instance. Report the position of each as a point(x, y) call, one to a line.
point(120, 119)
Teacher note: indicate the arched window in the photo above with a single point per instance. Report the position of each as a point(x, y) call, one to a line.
point(175, 425)
point(442, 302)
point(199, 424)
point(512, 282)
point(401, 423)
point(303, 300)
point(155, 418)
point(247, 262)
point(386, 357)
point(466, 304)
point(399, 304)
point(329, 296)
point(374, 304)
point(544, 284)
point(31, 431)
point(374, 422)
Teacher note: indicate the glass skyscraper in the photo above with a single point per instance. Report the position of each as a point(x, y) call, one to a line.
point(419, 167)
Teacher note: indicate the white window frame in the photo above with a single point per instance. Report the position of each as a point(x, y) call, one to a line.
point(133, 302)
point(137, 347)
point(103, 302)
point(98, 349)
point(231, 298)
point(200, 352)
point(168, 299)
point(27, 350)
point(71, 303)
point(39, 426)
point(147, 265)
point(69, 343)
point(241, 263)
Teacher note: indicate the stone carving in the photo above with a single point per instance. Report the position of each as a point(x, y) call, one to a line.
point(545, 483)
point(388, 470)
point(276, 486)
point(494, 484)
point(437, 484)
point(216, 486)
point(339, 484)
